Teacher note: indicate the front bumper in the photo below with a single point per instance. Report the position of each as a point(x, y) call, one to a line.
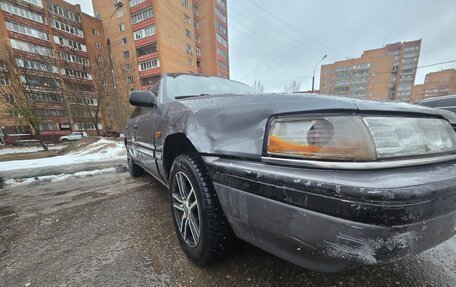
point(328, 220)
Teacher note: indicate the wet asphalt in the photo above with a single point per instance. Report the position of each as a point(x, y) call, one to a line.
point(113, 230)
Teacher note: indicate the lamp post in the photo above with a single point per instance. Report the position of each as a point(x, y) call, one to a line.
point(117, 5)
point(313, 77)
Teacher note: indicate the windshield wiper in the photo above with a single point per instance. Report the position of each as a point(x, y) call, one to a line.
point(190, 96)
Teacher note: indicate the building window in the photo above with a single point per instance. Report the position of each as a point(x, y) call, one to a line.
point(195, 9)
point(95, 31)
point(197, 38)
point(30, 48)
point(64, 12)
point(222, 41)
point(36, 65)
point(122, 27)
point(198, 51)
point(189, 49)
point(186, 3)
point(142, 15)
point(195, 24)
point(69, 29)
point(220, 14)
point(222, 4)
point(127, 67)
point(10, 98)
point(222, 53)
point(222, 65)
point(126, 54)
point(15, 114)
point(27, 31)
point(149, 65)
point(148, 31)
point(136, 2)
point(73, 45)
point(119, 13)
point(98, 45)
point(188, 33)
point(35, 2)
point(99, 58)
point(187, 19)
point(123, 41)
point(104, 82)
point(4, 81)
point(73, 59)
point(130, 79)
point(190, 62)
point(77, 74)
point(19, 11)
point(146, 50)
point(220, 27)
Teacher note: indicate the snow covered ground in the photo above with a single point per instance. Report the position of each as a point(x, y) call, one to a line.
point(15, 150)
point(57, 177)
point(103, 150)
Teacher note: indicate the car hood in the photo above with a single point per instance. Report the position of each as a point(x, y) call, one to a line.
point(292, 103)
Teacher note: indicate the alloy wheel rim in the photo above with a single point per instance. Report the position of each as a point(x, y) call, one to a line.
point(186, 209)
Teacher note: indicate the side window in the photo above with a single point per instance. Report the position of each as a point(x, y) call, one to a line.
point(155, 88)
point(136, 112)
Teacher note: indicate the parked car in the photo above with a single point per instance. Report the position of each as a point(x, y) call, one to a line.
point(447, 103)
point(327, 183)
point(112, 134)
point(73, 136)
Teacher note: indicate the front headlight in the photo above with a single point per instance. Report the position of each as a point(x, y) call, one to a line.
point(355, 138)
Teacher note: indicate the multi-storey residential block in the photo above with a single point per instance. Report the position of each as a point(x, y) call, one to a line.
point(55, 56)
point(386, 73)
point(436, 84)
point(151, 37)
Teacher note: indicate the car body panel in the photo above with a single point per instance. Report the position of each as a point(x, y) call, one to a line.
point(335, 220)
point(235, 125)
point(325, 220)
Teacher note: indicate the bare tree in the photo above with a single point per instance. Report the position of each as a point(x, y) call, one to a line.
point(257, 85)
point(293, 87)
point(86, 101)
point(125, 80)
point(18, 90)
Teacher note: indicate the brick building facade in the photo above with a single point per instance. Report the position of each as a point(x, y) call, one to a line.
point(63, 53)
point(386, 73)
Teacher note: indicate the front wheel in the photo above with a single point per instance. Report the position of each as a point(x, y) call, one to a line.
point(202, 229)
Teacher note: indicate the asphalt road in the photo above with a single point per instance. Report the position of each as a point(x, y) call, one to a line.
point(112, 230)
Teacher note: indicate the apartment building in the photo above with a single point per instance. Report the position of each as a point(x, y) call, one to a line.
point(150, 37)
point(53, 55)
point(386, 73)
point(436, 84)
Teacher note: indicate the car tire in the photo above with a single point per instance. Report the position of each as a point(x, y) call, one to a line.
point(216, 239)
point(134, 169)
point(65, 140)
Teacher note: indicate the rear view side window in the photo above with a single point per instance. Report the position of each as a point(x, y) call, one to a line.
point(136, 112)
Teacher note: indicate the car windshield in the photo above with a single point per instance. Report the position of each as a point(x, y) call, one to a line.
point(192, 85)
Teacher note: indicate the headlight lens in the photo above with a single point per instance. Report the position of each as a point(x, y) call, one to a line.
point(354, 138)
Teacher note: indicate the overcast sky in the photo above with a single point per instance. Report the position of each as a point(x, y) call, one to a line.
point(276, 42)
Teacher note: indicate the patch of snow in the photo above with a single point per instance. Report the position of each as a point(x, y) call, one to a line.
point(58, 177)
point(30, 149)
point(101, 151)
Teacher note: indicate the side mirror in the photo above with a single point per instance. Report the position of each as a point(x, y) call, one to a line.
point(143, 99)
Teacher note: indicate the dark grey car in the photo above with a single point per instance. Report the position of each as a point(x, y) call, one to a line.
point(327, 183)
